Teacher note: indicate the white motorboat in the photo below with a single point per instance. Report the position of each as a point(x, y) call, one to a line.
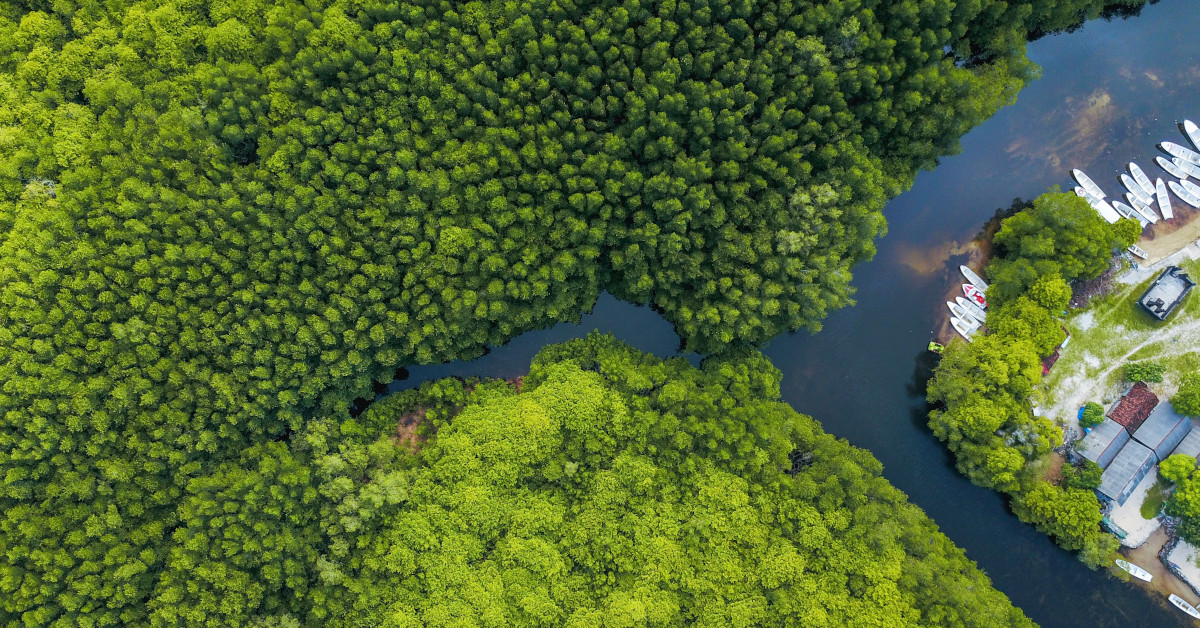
point(1127, 212)
point(1134, 570)
point(963, 315)
point(1164, 199)
point(1184, 606)
point(1182, 152)
point(1136, 189)
point(966, 331)
point(1080, 192)
point(975, 295)
point(1087, 183)
point(1138, 251)
point(1171, 168)
point(1190, 169)
point(975, 280)
point(1105, 210)
point(1141, 178)
point(1145, 210)
point(975, 310)
point(1184, 194)
point(1193, 132)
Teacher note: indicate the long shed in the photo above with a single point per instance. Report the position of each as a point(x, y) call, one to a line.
point(1103, 442)
point(1131, 464)
point(1163, 430)
point(1190, 445)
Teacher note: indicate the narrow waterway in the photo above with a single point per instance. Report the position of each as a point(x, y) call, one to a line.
point(1109, 92)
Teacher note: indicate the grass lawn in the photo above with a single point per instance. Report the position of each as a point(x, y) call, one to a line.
point(1155, 497)
point(1113, 331)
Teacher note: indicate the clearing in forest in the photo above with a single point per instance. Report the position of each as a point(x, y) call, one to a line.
point(1113, 331)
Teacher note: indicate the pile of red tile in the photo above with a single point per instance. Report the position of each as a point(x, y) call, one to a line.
point(1134, 407)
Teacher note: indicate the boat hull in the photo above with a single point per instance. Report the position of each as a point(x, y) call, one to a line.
point(1087, 183)
point(1171, 168)
point(1135, 189)
point(1182, 152)
point(1193, 132)
point(1183, 194)
point(1141, 179)
point(975, 310)
point(1164, 199)
point(975, 279)
point(1188, 168)
point(1184, 606)
point(975, 295)
point(1134, 570)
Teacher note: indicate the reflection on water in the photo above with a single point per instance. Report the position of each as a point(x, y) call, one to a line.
point(1108, 93)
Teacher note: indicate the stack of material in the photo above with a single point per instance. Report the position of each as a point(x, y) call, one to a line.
point(1134, 407)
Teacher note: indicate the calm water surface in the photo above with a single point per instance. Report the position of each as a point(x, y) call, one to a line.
point(1109, 92)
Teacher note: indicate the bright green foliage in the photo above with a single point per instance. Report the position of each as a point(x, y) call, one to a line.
point(1093, 414)
point(1185, 501)
point(1145, 372)
point(1025, 318)
point(982, 389)
point(984, 418)
point(1177, 468)
point(1060, 235)
point(1187, 398)
point(1070, 515)
point(618, 489)
point(1088, 475)
point(218, 221)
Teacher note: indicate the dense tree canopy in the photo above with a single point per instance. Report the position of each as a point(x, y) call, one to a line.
point(982, 390)
point(218, 220)
point(614, 489)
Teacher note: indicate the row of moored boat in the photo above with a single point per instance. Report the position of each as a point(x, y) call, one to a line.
point(1142, 195)
point(1142, 574)
point(968, 312)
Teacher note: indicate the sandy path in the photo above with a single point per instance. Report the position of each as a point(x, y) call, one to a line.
point(1163, 246)
point(1085, 386)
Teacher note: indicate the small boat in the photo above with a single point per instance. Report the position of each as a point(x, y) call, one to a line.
point(1141, 178)
point(975, 295)
point(1134, 570)
point(1087, 183)
point(1142, 208)
point(1105, 210)
point(1190, 169)
point(1171, 168)
point(1183, 193)
point(1193, 132)
point(1164, 199)
point(975, 280)
point(1127, 212)
point(936, 347)
point(1138, 251)
point(975, 310)
point(1182, 152)
point(1184, 606)
point(962, 315)
point(966, 331)
point(1080, 192)
point(1136, 189)
point(1192, 188)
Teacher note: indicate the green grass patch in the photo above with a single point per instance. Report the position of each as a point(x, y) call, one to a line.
point(1155, 497)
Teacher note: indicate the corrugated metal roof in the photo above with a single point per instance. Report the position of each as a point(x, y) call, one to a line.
point(1163, 429)
point(1190, 445)
point(1102, 443)
point(1125, 469)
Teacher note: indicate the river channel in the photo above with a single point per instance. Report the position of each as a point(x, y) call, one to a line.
point(1108, 93)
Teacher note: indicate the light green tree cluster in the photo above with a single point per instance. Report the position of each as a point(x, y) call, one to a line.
point(982, 389)
point(219, 220)
point(614, 489)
